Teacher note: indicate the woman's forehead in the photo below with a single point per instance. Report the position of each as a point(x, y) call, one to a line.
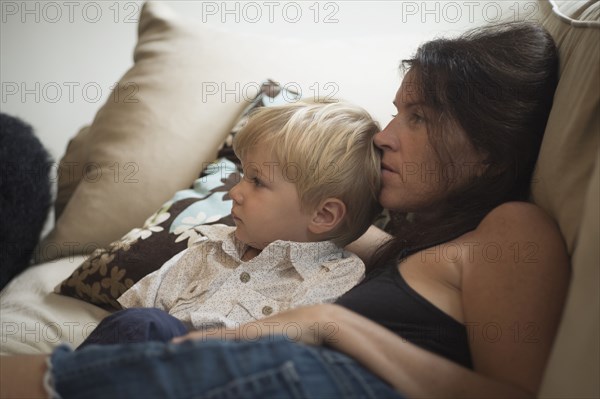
point(409, 91)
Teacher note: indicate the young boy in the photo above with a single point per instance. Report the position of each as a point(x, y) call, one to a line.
point(310, 187)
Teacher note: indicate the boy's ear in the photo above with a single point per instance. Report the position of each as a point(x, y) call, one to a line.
point(327, 216)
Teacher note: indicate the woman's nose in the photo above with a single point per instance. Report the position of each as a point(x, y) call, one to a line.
point(384, 139)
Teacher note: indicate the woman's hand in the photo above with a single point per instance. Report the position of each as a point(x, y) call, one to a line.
point(311, 325)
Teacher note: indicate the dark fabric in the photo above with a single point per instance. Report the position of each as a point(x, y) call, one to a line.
point(25, 194)
point(385, 298)
point(135, 325)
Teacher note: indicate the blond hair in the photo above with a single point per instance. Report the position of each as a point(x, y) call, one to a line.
point(327, 151)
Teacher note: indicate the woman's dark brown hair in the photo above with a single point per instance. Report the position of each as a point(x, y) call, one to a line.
point(497, 84)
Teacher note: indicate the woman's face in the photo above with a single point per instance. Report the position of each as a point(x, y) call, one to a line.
point(413, 176)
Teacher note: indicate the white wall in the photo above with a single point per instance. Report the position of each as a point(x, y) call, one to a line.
point(59, 59)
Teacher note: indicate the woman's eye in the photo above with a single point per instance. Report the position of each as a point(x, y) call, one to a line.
point(256, 182)
point(417, 118)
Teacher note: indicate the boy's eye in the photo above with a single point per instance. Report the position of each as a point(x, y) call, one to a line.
point(257, 182)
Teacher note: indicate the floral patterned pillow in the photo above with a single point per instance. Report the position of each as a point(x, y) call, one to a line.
point(108, 272)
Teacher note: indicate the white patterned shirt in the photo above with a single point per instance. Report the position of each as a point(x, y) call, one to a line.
point(208, 284)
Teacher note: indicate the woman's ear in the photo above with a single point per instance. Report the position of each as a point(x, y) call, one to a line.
point(327, 216)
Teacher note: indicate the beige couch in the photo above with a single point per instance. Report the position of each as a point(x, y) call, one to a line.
point(566, 186)
point(97, 212)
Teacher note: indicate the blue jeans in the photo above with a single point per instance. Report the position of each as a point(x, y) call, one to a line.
point(268, 368)
point(135, 325)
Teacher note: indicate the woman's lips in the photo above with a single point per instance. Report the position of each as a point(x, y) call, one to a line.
point(234, 216)
point(385, 166)
point(388, 172)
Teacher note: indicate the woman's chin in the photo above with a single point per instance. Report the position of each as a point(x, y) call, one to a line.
point(390, 201)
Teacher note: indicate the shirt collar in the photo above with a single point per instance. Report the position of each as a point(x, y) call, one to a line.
point(305, 257)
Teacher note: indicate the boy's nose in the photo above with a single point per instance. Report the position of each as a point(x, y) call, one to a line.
point(236, 194)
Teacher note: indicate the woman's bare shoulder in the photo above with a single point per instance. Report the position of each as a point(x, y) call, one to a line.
point(519, 221)
point(515, 235)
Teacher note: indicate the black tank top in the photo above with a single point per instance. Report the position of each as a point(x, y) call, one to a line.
point(385, 298)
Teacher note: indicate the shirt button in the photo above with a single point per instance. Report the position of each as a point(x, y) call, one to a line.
point(267, 310)
point(245, 277)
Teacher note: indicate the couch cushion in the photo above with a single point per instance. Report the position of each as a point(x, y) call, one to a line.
point(569, 149)
point(35, 320)
point(71, 169)
point(574, 365)
point(566, 186)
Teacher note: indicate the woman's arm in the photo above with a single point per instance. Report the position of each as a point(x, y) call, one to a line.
point(411, 370)
point(366, 244)
point(513, 291)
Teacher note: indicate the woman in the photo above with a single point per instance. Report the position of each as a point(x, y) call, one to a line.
point(464, 302)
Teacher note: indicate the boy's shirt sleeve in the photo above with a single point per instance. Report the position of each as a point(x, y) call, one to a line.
point(334, 279)
point(149, 292)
